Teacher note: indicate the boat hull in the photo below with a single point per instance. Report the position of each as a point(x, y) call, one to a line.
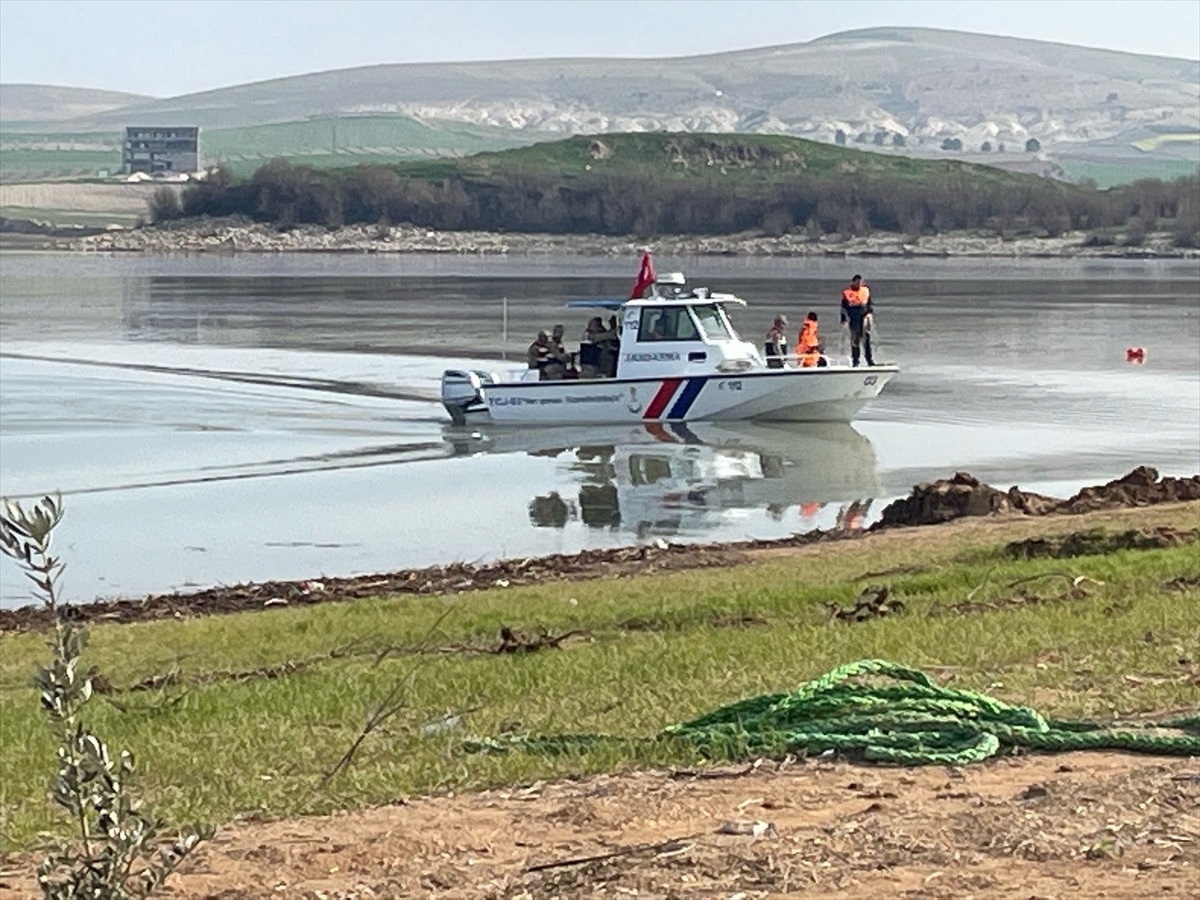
point(831, 394)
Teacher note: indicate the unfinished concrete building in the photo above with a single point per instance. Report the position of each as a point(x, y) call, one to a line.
point(161, 149)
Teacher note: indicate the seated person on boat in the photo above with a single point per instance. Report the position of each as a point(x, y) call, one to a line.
point(539, 352)
point(559, 365)
point(598, 349)
point(548, 355)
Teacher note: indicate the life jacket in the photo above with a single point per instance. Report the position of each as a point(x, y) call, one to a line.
point(808, 348)
point(851, 297)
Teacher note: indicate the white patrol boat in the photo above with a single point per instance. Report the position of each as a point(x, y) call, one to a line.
point(678, 359)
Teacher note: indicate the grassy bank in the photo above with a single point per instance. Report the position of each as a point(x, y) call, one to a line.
point(240, 716)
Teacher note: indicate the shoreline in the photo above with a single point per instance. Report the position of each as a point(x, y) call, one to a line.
point(959, 497)
point(1105, 636)
point(237, 235)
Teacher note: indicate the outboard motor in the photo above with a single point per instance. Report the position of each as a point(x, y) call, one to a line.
point(462, 393)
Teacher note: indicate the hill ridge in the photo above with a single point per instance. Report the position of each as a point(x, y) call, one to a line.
point(919, 92)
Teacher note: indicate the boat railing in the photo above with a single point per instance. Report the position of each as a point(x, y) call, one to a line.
point(793, 360)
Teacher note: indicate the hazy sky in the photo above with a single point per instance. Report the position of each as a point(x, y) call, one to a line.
point(167, 48)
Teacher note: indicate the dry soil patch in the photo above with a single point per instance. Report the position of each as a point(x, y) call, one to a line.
point(1094, 825)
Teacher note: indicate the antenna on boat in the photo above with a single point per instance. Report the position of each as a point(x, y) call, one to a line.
point(504, 329)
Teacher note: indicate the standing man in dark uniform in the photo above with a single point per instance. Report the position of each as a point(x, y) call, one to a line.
point(858, 315)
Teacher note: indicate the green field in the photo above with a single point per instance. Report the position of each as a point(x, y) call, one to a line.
point(37, 165)
point(348, 140)
point(27, 154)
point(1126, 171)
point(240, 716)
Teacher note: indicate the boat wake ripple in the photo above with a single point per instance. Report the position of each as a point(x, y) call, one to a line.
point(302, 382)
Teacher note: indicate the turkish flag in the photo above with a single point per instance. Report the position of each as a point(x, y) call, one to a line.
point(645, 278)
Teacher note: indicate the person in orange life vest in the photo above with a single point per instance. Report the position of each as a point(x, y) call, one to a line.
point(776, 344)
point(808, 348)
point(857, 316)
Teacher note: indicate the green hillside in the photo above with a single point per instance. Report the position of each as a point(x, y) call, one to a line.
point(679, 183)
point(750, 159)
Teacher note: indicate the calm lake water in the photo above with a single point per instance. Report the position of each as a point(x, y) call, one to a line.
point(217, 420)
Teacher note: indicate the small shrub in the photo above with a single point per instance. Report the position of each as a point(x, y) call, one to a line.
point(165, 205)
point(1185, 239)
point(117, 854)
point(1135, 232)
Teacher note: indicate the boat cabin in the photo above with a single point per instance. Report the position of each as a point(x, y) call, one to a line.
point(675, 332)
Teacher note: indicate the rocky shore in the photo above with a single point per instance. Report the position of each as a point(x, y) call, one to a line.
point(237, 235)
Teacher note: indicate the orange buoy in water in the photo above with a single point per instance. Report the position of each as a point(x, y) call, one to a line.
point(1136, 355)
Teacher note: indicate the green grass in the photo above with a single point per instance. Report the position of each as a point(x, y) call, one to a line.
point(218, 748)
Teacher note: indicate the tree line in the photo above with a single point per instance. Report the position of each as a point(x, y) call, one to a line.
point(646, 203)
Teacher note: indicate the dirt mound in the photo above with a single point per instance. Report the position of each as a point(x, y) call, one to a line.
point(1141, 487)
point(1098, 541)
point(958, 496)
point(965, 495)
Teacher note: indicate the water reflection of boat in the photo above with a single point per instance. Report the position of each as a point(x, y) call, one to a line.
point(672, 478)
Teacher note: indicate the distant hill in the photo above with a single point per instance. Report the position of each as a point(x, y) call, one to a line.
point(909, 91)
point(20, 103)
point(914, 82)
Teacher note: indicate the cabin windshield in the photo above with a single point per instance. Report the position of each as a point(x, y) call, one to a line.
point(668, 323)
point(711, 321)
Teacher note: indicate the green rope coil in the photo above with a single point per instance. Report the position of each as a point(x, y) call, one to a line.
point(910, 722)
